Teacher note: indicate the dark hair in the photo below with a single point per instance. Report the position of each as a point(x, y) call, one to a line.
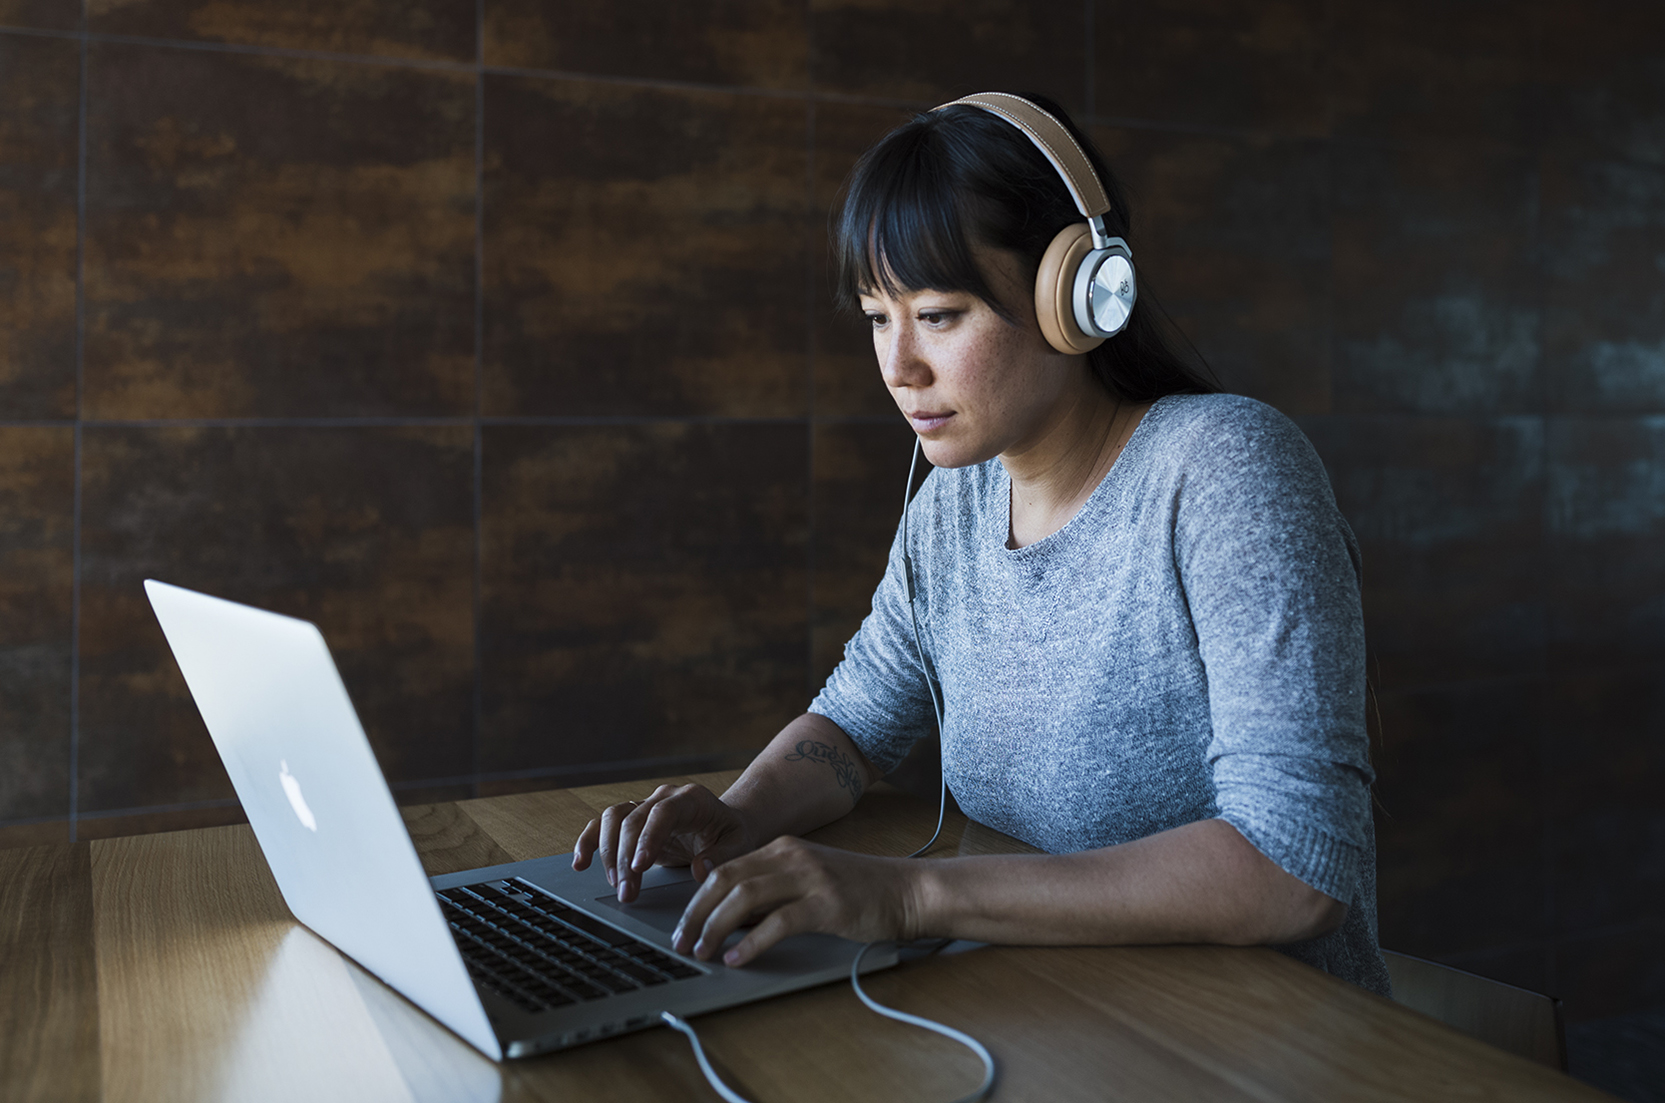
point(916, 202)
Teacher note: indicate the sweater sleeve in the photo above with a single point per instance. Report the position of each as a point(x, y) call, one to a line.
point(1270, 572)
point(877, 694)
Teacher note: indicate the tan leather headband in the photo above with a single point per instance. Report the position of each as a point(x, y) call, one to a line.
point(1050, 137)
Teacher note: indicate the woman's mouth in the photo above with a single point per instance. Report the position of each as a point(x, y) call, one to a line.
point(928, 421)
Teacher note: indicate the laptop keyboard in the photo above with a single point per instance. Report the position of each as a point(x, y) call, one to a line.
point(538, 953)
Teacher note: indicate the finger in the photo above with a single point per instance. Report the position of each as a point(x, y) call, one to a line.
point(753, 896)
point(788, 919)
point(584, 849)
point(608, 847)
point(719, 879)
point(629, 878)
point(713, 887)
point(677, 809)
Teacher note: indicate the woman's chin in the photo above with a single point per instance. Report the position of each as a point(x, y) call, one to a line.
point(948, 453)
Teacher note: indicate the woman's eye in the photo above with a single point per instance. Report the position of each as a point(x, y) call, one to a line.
point(936, 317)
point(878, 320)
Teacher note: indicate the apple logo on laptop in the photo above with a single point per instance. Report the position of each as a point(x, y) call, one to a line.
point(292, 789)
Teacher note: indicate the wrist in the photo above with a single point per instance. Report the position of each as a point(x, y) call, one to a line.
point(751, 828)
point(924, 914)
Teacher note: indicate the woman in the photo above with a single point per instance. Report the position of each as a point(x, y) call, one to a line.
point(1136, 596)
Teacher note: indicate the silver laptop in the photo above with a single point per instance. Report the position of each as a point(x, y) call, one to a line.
point(517, 959)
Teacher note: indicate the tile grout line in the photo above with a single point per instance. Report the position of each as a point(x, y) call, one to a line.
point(585, 420)
point(809, 360)
point(477, 64)
point(1552, 920)
point(443, 422)
point(280, 423)
point(1089, 91)
point(1329, 276)
point(809, 401)
point(80, 388)
point(690, 763)
point(1090, 118)
point(1546, 830)
point(479, 372)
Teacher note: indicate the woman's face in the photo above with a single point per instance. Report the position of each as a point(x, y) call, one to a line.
point(972, 385)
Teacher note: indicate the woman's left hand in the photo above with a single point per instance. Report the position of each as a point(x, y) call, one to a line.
point(790, 887)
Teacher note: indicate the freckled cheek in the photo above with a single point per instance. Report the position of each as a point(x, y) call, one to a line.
point(989, 376)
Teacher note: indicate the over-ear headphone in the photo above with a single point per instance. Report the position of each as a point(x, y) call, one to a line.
point(1085, 289)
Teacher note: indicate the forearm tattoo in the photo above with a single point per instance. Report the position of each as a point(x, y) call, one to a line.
point(843, 766)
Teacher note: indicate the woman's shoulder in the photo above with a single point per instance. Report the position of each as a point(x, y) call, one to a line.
point(1218, 417)
point(1222, 451)
point(1228, 433)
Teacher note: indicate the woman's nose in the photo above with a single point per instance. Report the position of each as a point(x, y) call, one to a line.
point(901, 360)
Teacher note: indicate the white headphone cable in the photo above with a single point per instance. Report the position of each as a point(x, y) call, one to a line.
point(677, 1022)
point(959, 1036)
point(919, 649)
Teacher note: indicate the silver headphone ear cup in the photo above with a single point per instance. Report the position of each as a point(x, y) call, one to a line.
point(1104, 291)
point(1055, 282)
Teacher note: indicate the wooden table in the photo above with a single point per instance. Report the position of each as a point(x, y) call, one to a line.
point(165, 967)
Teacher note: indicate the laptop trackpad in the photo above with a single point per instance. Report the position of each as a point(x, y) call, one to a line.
point(667, 890)
point(660, 907)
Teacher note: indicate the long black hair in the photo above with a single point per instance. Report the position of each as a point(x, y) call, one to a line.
point(917, 201)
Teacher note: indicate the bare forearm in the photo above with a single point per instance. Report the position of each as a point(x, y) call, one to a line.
point(1199, 883)
point(809, 775)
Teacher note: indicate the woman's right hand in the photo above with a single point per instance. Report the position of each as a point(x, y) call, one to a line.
point(686, 825)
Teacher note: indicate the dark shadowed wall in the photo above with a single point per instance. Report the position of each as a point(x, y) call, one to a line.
point(496, 339)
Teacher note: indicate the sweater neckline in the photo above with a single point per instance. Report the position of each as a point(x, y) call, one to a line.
point(1000, 518)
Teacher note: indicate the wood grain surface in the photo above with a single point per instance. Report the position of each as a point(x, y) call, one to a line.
point(48, 982)
point(166, 967)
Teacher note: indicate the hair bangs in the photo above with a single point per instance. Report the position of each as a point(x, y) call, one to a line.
point(902, 227)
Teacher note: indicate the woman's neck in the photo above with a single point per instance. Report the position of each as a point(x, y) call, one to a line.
point(1052, 479)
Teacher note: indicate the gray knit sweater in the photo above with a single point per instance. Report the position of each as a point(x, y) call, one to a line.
point(1190, 645)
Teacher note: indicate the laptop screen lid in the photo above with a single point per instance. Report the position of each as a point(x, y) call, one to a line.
point(321, 810)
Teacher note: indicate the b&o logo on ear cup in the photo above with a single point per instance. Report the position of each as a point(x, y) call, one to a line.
point(1083, 295)
point(1104, 289)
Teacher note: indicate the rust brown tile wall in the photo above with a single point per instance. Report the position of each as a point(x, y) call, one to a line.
point(845, 381)
point(37, 492)
point(1436, 297)
point(57, 15)
point(1237, 232)
point(39, 93)
point(496, 336)
point(1215, 64)
point(927, 51)
point(740, 43)
point(417, 30)
point(1452, 512)
point(271, 236)
point(1417, 69)
point(861, 468)
point(645, 251)
point(1466, 814)
point(369, 532)
point(644, 590)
